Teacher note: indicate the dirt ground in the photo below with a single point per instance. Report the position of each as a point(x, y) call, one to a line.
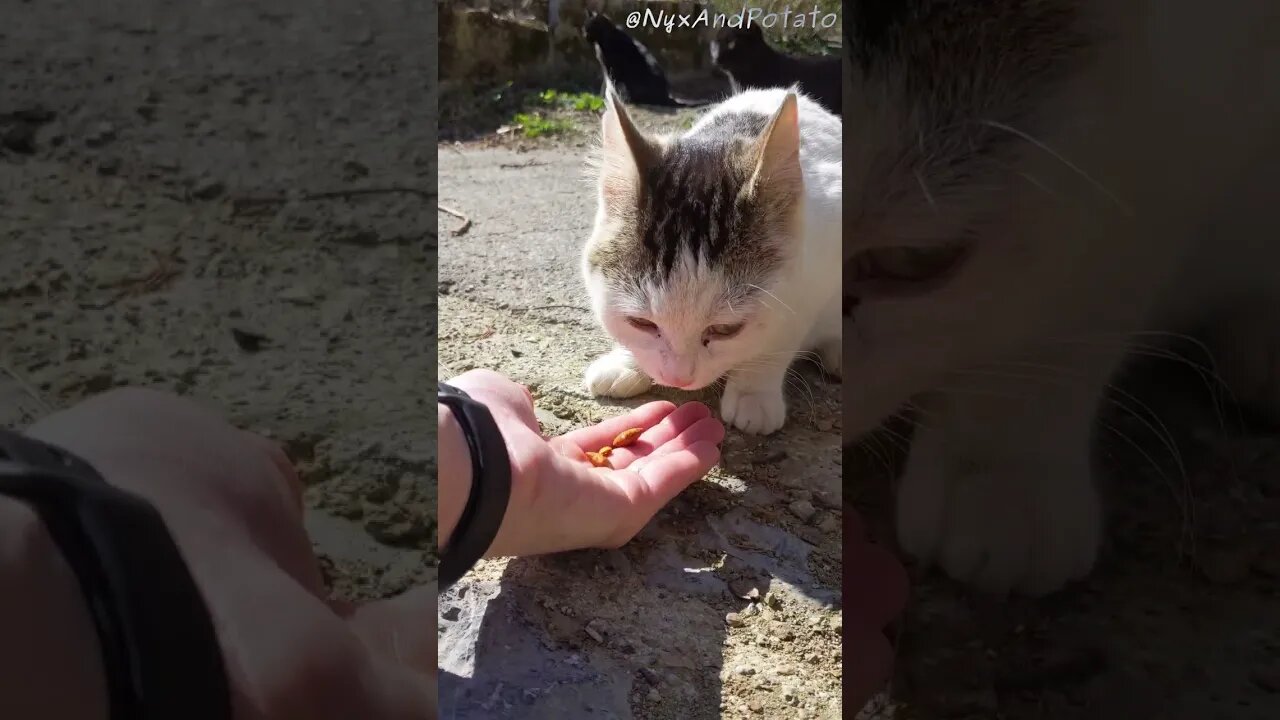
point(233, 201)
point(1178, 621)
point(727, 605)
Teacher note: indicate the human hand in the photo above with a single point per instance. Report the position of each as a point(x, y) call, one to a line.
point(233, 503)
point(875, 594)
point(559, 501)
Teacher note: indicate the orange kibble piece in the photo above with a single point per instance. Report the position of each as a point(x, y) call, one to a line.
point(606, 451)
point(626, 437)
point(598, 460)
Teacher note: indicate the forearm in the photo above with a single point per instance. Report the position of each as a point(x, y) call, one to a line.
point(454, 463)
point(50, 659)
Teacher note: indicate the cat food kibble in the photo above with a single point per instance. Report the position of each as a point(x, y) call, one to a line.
point(600, 458)
point(626, 437)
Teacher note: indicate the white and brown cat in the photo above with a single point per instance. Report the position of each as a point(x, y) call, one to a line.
point(1034, 188)
point(716, 253)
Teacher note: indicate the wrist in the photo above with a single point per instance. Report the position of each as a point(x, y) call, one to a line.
point(455, 474)
point(51, 658)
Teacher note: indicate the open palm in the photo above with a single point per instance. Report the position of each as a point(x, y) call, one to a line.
point(559, 501)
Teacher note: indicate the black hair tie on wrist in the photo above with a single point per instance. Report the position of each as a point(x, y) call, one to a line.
point(490, 486)
point(160, 649)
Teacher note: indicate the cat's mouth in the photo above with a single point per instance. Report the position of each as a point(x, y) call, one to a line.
point(903, 272)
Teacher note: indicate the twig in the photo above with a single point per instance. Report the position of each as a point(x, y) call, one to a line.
point(26, 388)
point(551, 307)
point(155, 280)
point(466, 221)
point(242, 203)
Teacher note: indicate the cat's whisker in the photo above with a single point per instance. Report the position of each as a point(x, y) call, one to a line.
point(924, 188)
point(775, 297)
point(1058, 156)
point(1214, 383)
point(1184, 502)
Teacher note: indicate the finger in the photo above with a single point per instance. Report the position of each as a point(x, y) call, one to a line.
point(288, 472)
point(400, 635)
point(668, 475)
point(708, 429)
point(868, 664)
point(875, 584)
point(401, 628)
point(601, 434)
point(668, 429)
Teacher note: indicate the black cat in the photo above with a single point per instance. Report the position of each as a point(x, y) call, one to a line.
point(636, 74)
point(747, 59)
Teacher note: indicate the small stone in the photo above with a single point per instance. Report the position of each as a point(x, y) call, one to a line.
point(829, 523)
point(651, 675)
point(1267, 678)
point(755, 705)
point(353, 170)
point(1267, 563)
point(207, 188)
point(744, 589)
point(20, 138)
point(617, 561)
point(296, 294)
point(654, 696)
point(745, 670)
point(802, 509)
point(734, 619)
point(773, 601)
point(102, 133)
point(593, 633)
point(1227, 566)
point(109, 165)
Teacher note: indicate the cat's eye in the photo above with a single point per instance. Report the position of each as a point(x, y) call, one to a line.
point(642, 324)
point(903, 271)
point(725, 331)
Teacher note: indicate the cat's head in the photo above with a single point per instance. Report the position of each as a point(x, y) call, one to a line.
point(733, 48)
point(958, 115)
point(692, 235)
point(595, 27)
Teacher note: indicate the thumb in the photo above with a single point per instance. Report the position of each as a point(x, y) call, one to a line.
point(401, 628)
point(400, 677)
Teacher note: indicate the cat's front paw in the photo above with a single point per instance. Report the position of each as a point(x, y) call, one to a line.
point(616, 375)
point(755, 411)
point(1015, 522)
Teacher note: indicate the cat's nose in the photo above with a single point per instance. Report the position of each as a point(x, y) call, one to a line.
point(683, 382)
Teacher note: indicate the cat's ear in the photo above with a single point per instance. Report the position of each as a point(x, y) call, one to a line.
point(776, 156)
point(628, 154)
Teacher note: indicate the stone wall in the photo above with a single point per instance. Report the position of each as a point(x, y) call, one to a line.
point(483, 41)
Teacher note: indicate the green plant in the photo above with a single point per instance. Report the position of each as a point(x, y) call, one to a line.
point(535, 125)
point(581, 102)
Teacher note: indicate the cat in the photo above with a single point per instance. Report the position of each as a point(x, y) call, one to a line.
point(743, 55)
point(1035, 188)
point(628, 64)
point(717, 252)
